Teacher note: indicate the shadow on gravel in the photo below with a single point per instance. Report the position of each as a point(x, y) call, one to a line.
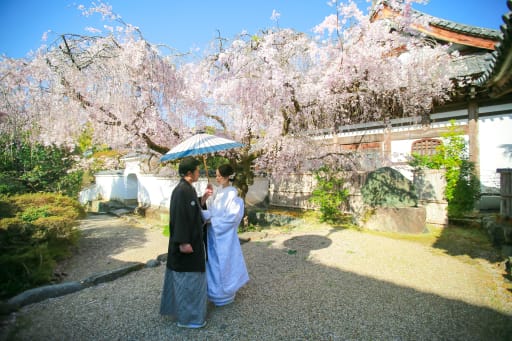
point(302, 299)
point(307, 243)
point(289, 297)
point(471, 241)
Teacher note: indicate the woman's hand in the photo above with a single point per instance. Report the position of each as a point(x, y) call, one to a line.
point(207, 193)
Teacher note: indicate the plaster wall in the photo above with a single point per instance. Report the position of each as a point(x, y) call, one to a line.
point(495, 140)
point(110, 186)
point(156, 191)
point(495, 144)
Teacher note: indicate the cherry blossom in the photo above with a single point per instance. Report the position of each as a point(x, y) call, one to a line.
point(272, 90)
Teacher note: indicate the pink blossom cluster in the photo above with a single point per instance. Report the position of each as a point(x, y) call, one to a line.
point(270, 90)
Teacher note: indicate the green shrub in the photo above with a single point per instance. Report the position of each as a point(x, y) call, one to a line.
point(10, 184)
point(465, 191)
point(33, 213)
point(56, 204)
point(462, 185)
point(37, 231)
point(165, 231)
point(25, 268)
point(54, 228)
point(15, 233)
point(329, 194)
point(71, 183)
point(6, 207)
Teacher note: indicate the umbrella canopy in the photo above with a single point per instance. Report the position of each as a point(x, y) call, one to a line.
point(200, 144)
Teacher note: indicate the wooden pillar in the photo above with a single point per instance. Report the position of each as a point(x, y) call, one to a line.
point(386, 145)
point(474, 148)
point(505, 191)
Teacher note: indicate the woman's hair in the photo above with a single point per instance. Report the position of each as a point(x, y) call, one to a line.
point(227, 171)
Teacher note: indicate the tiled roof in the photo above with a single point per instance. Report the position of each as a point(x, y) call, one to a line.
point(493, 68)
point(471, 65)
point(465, 29)
point(448, 25)
point(498, 74)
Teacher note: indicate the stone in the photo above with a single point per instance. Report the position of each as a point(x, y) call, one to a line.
point(120, 212)
point(98, 206)
point(152, 263)
point(270, 219)
point(42, 293)
point(507, 234)
point(162, 258)
point(506, 251)
point(111, 275)
point(403, 220)
point(387, 187)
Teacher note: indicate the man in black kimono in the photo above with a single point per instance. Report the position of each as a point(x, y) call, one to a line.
point(184, 292)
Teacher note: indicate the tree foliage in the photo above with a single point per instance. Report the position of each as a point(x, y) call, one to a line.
point(30, 168)
point(462, 185)
point(268, 89)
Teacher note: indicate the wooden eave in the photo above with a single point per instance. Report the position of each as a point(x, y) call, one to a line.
point(439, 32)
point(455, 37)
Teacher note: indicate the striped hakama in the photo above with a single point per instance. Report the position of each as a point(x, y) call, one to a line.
point(184, 297)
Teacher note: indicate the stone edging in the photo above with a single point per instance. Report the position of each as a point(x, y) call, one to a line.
point(55, 290)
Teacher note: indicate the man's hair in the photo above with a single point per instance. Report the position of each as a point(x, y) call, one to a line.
point(188, 164)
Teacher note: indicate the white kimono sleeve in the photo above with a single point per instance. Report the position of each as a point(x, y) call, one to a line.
point(230, 214)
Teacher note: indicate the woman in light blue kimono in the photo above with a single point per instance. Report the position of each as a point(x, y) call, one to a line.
point(225, 269)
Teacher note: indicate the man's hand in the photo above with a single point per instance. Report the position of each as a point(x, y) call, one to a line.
point(186, 248)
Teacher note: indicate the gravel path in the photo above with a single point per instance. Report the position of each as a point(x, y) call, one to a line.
point(109, 242)
point(305, 285)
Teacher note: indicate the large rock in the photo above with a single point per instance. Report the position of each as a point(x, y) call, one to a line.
point(387, 187)
point(392, 219)
point(499, 233)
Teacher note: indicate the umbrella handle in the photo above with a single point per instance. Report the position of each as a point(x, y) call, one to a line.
point(206, 169)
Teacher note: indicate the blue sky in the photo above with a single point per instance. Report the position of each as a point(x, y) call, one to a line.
point(185, 24)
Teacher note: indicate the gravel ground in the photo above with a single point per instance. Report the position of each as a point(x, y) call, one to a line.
point(316, 284)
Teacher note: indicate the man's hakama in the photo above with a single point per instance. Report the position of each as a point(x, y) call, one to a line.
point(184, 292)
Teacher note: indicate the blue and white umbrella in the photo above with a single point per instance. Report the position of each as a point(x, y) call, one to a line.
point(200, 144)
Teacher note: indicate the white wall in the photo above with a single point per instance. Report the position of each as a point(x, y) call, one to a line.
point(114, 186)
point(401, 150)
point(495, 142)
point(110, 186)
point(131, 187)
point(155, 191)
point(495, 139)
point(258, 192)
